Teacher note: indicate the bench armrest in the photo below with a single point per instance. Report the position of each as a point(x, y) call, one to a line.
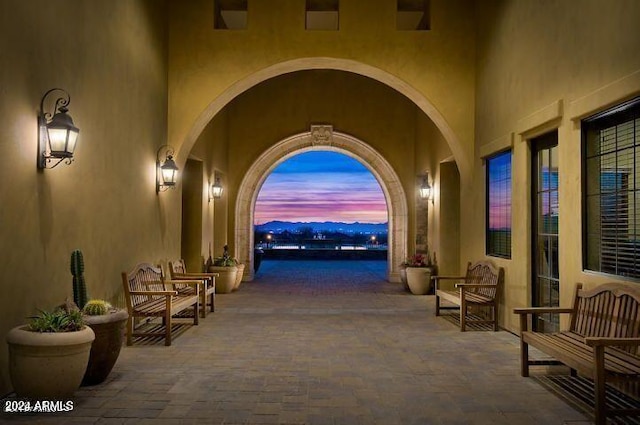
point(541, 310)
point(476, 285)
point(195, 275)
point(153, 292)
point(183, 282)
point(447, 278)
point(594, 341)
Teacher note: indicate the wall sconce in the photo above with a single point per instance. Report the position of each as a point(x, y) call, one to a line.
point(57, 136)
point(216, 190)
point(166, 169)
point(426, 192)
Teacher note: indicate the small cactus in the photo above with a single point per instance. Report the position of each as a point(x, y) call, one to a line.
point(96, 307)
point(79, 285)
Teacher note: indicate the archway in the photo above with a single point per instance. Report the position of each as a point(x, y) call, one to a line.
point(418, 98)
point(323, 138)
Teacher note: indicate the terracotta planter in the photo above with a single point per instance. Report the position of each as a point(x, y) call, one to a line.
point(227, 279)
point(48, 365)
point(109, 331)
point(419, 280)
point(239, 275)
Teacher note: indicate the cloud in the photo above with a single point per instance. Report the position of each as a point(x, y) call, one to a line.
point(325, 186)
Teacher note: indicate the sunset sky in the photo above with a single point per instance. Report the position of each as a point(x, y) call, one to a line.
point(321, 186)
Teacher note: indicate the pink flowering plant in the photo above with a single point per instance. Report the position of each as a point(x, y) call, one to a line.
point(418, 260)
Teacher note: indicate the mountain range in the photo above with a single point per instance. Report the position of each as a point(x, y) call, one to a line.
point(326, 226)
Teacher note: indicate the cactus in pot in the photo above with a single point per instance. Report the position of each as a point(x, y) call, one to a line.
point(79, 285)
point(96, 307)
point(106, 322)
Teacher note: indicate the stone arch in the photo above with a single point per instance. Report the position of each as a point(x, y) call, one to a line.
point(347, 65)
point(397, 209)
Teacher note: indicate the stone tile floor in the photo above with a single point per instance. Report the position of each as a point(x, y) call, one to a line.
point(320, 343)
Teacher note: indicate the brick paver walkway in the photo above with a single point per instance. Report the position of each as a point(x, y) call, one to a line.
point(320, 343)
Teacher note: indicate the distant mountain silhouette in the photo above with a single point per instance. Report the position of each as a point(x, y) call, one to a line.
point(327, 226)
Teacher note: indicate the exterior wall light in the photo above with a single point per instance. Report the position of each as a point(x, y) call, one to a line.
point(216, 190)
point(57, 136)
point(166, 169)
point(425, 189)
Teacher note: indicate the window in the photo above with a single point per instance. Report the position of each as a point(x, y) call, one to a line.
point(611, 193)
point(230, 14)
point(322, 15)
point(498, 226)
point(413, 15)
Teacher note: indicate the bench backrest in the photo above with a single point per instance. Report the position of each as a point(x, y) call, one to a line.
point(175, 268)
point(484, 272)
point(143, 277)
point(609, 310)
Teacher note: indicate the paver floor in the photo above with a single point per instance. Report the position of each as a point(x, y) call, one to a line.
point(320, 343)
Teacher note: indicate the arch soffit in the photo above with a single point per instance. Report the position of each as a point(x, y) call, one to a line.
point(336, 64)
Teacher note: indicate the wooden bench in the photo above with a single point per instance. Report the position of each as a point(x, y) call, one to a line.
point(146, 296)
point(178, 271)
point(601, 343)
point(479, 287)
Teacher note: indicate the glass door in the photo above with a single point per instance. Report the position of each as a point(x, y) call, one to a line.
point(545, 213)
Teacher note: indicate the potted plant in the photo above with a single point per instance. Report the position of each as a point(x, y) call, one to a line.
point(227, 270)
point(419, 269)
point(49, 356)
point(106, 322)
point(108, 325)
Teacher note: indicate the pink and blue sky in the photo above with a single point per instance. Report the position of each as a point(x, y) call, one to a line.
point(321, 186)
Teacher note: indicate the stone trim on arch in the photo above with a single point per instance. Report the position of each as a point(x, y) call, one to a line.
point(397, 209)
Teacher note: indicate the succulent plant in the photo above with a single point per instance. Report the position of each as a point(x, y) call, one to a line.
point(96, 307)
point(79, 285)
point(58, 320)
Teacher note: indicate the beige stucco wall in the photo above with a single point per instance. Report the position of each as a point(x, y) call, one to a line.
point(436, 67)
point(110, 55)
point(541, 65)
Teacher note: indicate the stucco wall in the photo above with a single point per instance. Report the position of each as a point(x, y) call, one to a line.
point(437, 66)
point(111, 56)
point(542, 66)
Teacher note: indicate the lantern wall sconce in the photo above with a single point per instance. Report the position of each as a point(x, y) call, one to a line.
point(426, 191)
point(166, 169)
point(57, 136)
point(216, 189)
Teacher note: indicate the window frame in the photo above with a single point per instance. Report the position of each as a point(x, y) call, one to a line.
point(607, 119)
point(490, 249)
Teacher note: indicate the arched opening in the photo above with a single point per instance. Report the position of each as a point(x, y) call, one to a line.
point(321, 205)
point(323, 138)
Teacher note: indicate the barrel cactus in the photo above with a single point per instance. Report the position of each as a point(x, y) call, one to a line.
point(96, 307)
point(79, 285)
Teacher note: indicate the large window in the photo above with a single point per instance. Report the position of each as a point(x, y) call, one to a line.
point(611, 154)
point(499, 205)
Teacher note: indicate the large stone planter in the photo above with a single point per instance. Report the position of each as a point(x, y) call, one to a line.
point(239, 275)
point(109, 331)
point(419, 280)
point(403, 277)
point(226, 280)
point(48, 365)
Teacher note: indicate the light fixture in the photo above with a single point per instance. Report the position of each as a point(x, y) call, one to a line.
point(57, 136)
point(166, 169)
point(216, 190)
point(425, 189)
